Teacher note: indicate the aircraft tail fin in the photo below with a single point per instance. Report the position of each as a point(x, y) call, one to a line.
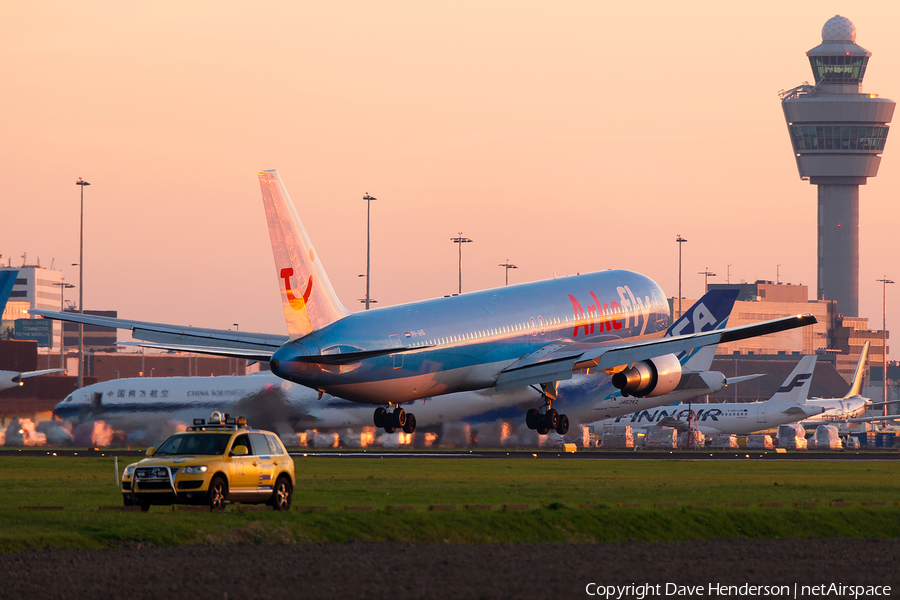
point(309, 300)
point(710, 312)
point(795, 388)
point(856, 383)
point(7, 281)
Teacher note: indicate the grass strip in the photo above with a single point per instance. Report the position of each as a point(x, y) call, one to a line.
point(567, 501)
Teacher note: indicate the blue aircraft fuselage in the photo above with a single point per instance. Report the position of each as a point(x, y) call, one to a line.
point(463, 342)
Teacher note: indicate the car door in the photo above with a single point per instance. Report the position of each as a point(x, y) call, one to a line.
point(264, 464)
point(242, 484)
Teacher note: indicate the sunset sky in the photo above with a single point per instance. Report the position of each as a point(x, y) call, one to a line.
point(566, 137)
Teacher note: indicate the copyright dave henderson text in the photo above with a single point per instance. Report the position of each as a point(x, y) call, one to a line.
point(648, 590)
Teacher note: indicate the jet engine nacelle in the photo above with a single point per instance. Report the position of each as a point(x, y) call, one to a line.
point(9, 379)
point(655, 377)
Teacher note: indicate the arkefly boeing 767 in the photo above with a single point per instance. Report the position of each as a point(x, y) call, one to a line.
point(531, 334)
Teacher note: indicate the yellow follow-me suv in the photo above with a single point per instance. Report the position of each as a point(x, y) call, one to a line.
point(213, 463)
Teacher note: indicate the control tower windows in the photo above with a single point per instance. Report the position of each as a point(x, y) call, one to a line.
point(838, 137)
point(838, 69)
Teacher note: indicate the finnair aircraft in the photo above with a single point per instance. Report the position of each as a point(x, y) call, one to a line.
point(153, 405)
point(531, 334)
point(11, 379)
point(787, 405)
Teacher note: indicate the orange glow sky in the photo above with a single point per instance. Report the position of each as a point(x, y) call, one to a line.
point(565, 137)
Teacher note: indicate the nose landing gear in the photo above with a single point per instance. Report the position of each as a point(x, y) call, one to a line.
point(394, 420)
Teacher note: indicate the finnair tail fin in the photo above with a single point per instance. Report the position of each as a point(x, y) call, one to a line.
point(309, 301)
point(7, 281)
point(710, 312)
point(856, 383)
point(795, 388)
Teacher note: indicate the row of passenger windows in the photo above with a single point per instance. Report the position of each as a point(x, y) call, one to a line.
point(838, 137)
point(530, 326)
point(492, 332)
point(838, 69)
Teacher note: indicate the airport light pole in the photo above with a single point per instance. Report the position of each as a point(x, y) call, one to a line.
point(680, 241)
point(368, 200)
point(367, 300)
point(508, 266)
point(81, 183)
point(706, 275)
point(460, 241)
point(884, 283)
point(63, 286)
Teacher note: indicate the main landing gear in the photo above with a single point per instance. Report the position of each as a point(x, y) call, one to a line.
point(547, 418)
point(394, 420)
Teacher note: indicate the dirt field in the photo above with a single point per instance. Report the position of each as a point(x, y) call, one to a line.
point(436, 571)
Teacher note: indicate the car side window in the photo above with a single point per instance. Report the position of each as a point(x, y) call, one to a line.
point(260, 445)
point(242, 440)
point(275, 446)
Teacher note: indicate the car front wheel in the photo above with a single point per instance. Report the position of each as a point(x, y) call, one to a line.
point(217, 494)
point(281, 499)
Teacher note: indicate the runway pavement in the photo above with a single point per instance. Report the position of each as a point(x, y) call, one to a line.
point(812, 455)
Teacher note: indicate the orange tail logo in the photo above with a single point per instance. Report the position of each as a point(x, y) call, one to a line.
point(296, 303)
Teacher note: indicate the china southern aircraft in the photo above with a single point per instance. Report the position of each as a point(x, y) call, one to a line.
point(787, 405)
point(144, 407)
point(531, 334)
point(153, 405)
point(11, 379)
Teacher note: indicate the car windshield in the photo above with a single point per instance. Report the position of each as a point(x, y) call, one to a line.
point(194, 443)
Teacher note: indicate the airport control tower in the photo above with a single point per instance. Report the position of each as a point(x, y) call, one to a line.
point(837, 133)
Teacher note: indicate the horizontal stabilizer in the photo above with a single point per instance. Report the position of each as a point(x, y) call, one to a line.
point(803, 411)
point(264, 343)
point(742, 378)
point(253, 355)
point(28, 374)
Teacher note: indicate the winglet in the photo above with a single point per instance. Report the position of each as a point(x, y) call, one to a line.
point(856, 382)
point(309, 300)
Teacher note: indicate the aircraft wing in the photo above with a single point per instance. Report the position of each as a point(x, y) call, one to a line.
point(557, 360)
point(672, 422)
point(176, 337)
point(870, 419)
